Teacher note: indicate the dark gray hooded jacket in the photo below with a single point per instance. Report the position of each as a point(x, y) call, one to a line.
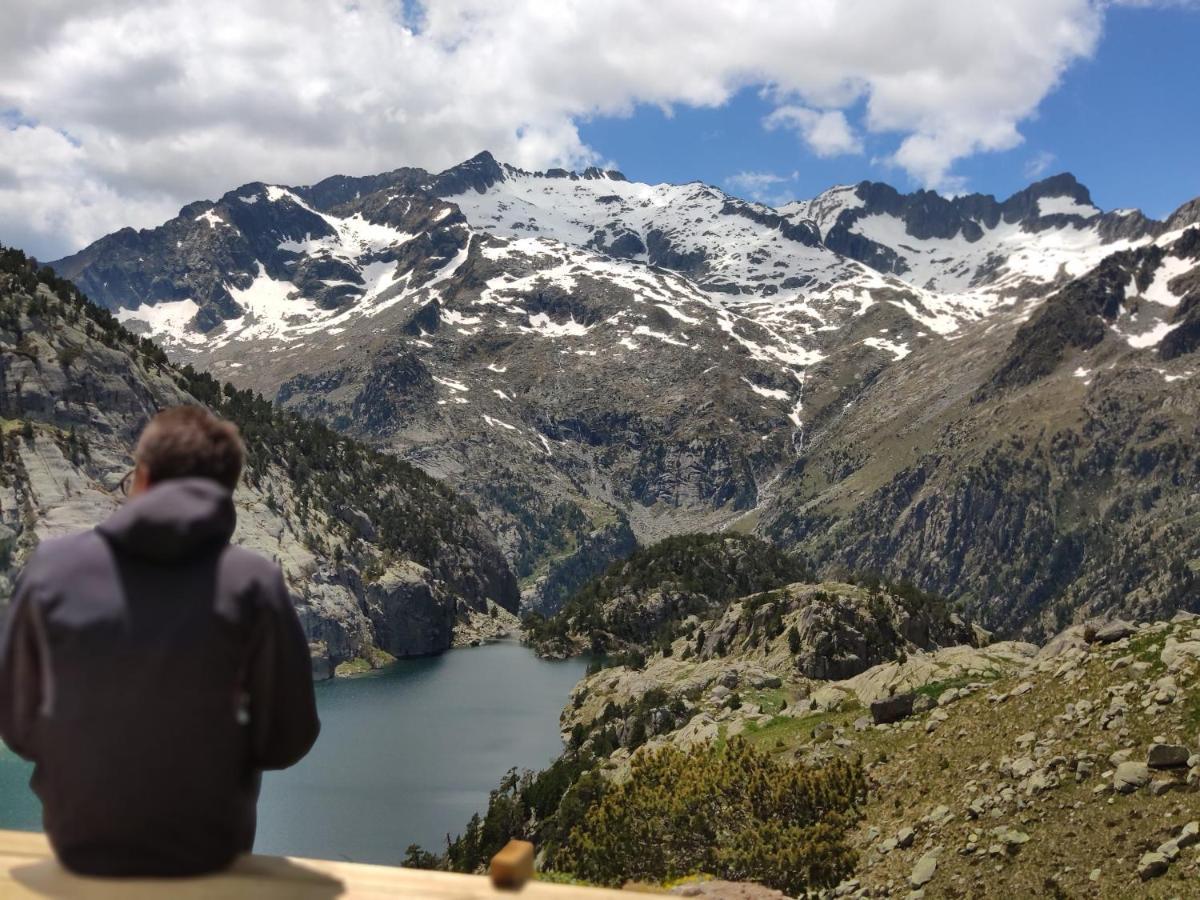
point(151, 671)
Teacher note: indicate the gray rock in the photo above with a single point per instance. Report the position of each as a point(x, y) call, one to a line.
point(923, 703)
point(1114, 631)
point(892, 709)
point(1023, 766)
point(1151, 865)
point(904, 838)
point(1189, 835)
point(1130, 776)
point(924, 870)
point(1167, 756)
point(948, 696)
point(1160, 786)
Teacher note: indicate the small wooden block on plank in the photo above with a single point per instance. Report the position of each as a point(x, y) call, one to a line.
point(512, 867)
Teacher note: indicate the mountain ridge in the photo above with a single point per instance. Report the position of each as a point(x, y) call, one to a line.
point(595, 361)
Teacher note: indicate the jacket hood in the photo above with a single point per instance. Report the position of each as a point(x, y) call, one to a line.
point(173, 520)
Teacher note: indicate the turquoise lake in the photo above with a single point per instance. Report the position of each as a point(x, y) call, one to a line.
point(405, 756)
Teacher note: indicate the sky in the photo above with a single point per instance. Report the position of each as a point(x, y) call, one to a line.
point(118, 112)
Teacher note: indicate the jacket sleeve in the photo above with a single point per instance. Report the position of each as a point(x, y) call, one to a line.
point(283, 709)
point(20, 673)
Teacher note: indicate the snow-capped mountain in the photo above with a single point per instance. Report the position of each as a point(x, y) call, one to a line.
point(975, 243)
point(593, 359)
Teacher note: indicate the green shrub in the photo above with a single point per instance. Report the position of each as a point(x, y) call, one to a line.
point(734, 812)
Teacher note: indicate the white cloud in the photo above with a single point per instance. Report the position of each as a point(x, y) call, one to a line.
point(1038, 164)
point(760, 186)
point(826, 133)
point(174, 100)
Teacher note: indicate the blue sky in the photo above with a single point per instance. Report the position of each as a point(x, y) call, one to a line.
point(1126, 123)
point(117, 114)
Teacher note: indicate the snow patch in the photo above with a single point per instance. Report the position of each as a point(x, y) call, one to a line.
point(1065, 206)
point(1151, 338)
point(898, 350)
point(1159, 291)
point(457, 386)
point(168, 320)
point(547, 327)
point(647, 331)
point(772, 393)
point(212, 219)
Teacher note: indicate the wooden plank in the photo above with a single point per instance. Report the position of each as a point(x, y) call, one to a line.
point(28, 870)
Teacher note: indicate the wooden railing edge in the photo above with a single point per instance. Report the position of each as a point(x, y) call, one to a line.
point(28, 869)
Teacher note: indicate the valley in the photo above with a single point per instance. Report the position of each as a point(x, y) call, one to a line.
point(840, 493)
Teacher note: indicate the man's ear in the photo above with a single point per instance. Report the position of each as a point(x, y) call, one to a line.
point(141, 481)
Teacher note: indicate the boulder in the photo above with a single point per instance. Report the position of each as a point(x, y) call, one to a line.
point(892, 709)
point(1189, 835)
point(923, 703)
point(828, 698)
point(924, 870)
point(1160, 786)
point(1077, 637)
point(1130, 776)
point(1023, 766)
point(1114, 631)
point(1151, 865)
point(948, 696)
point(1167, 756)
point(1174, 651)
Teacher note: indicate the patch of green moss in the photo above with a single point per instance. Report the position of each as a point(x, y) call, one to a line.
point(361, 665)
point(789, 732)
point(1147, 648)
point(935, 689)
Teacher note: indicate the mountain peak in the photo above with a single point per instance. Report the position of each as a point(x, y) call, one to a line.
point(1064, 184)
point(478, 173)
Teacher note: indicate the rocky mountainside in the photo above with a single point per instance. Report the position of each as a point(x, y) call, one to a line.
point(992, 772)
point(992, 769)
point(947, 390)
point(1051, 475)
point(383, 561)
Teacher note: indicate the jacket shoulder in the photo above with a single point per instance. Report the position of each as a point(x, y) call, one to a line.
point(245, 568)
point(63, 559)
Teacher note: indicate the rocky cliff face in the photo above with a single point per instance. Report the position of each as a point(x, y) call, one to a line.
point(379, 557)
point(1050, 475)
